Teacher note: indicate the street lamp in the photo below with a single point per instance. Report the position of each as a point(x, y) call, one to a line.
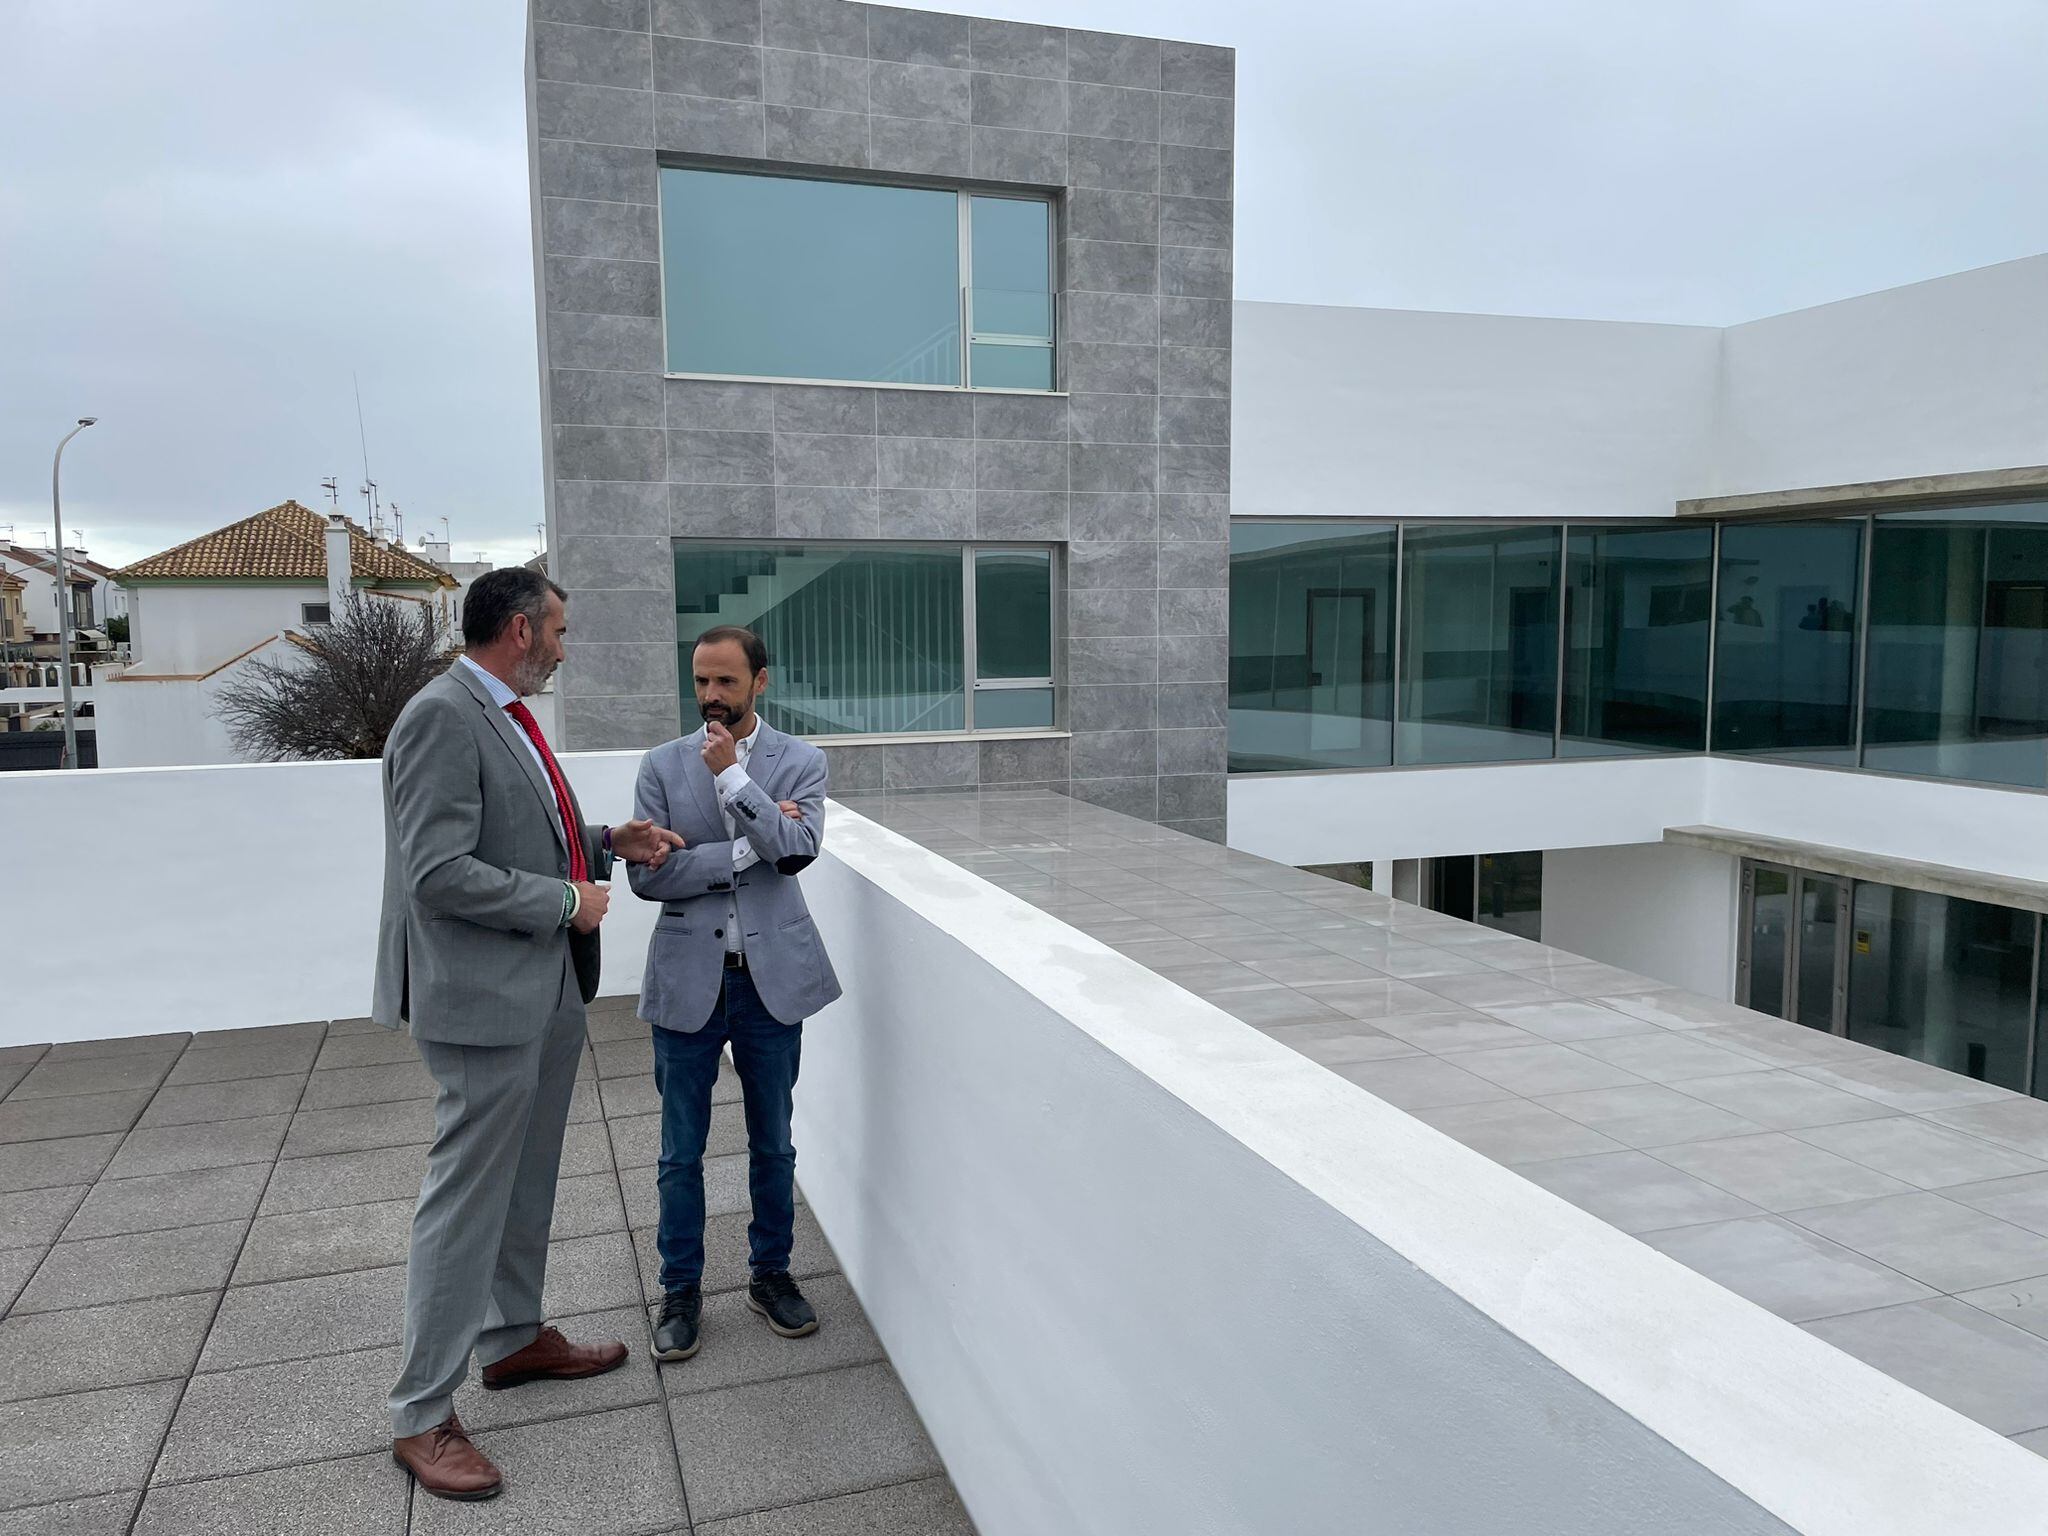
point(64, 594)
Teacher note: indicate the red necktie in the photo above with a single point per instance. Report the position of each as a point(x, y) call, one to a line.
point(578, 869)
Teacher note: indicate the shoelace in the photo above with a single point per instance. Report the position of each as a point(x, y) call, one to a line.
point(776, 1284)
point(677, 1304)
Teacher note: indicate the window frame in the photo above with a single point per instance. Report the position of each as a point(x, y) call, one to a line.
point(964, 193)
point(307, 621)
point(971, 681)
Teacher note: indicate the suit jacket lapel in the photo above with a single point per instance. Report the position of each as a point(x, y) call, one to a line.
point(515, 743)
point(702, 785)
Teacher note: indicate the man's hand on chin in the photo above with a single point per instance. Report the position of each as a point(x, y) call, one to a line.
point(642, 842)
point(720, 751)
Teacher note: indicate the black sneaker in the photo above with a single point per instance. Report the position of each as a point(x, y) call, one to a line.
point(675, 1328)
point(775, 1296)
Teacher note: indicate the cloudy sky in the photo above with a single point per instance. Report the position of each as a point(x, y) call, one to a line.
point(214, 213)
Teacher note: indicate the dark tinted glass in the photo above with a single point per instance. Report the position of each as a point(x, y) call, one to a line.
point(1636, 611)
point(1785, 646)
point(1478, 645)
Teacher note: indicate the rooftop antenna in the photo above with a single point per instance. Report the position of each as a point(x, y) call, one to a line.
point(332, 486)
point(369, 490)
point(398, 523)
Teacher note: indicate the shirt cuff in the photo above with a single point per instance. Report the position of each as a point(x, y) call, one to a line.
point(731, 780)
point(743, 855)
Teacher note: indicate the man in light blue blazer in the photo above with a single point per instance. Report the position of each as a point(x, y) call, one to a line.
point(735, 959)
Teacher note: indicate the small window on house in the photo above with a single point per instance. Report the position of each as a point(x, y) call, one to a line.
point(314, 613)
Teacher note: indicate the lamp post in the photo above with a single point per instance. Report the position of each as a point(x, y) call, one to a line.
point(64, 594)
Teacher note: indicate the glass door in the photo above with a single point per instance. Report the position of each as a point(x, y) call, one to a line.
point(1819, 963)
point(1766, 939)
point(1794, 955)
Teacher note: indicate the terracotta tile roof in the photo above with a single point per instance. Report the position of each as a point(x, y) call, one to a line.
point(11, 581)
point(287, 542)
point(45, 561)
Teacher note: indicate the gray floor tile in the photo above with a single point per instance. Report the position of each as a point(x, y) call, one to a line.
point(1671, 1009)
point(92, 1347)
point(1926, 1156)
point(1320, 970)
point(2021, 1124)
point(636, 1142)
point(54, 1077)
point(609, 1472)
point(1664, 1057)
point(630, 1385)
point(347, 1178)
point(739, 1347)
point(379, 1048)
point(353, 1026)
point(44, 1164)
point(126, 1045)
point(99, 1271)
point(1786, 1268)
point(265, 1416)
point(1448, 1034)
point(39, 1441)
point(326, 1241)
point(2022, 1201)
point(835, 1432)
point(360, 1128)
point(369, 1495)
point(1273, 1005)
point(617, 1024)
point(183, 1148)
point(262, 1034)
point(584, 1104)
point(1587, 979)
point(1911, 1087)
point(337, 1087)
point(1778, 1044)
point(625, 1058)
point(82, 1115)
point(2023, 1303)
point(1217, 977)
point(1512, 1131)
point(299, 1319)
point(625, 1097)
point(1569, 1020)
point(1778, 1173)
point(12, 1072)
point(16, 1265)
point(1635, 1192)
point(1482, 987)
point(588, 1205)
point(1541, 1069)
point(1420, 1082)
point(928, 1507)
point(725, 1253)
point(1336, 1041)
point(203, 1103)
point(107, 1515)
point(591, 1274)
point(32, 1218)
point(277, 1056)
point(1648, 1115)
point(1979, 1366)
point(1935, 1240)
point(1779, 1100)
point(1375, 1000)
point(586, 1149)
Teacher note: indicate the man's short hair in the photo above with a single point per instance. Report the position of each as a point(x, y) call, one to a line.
point(497, 595)
point(746, 639)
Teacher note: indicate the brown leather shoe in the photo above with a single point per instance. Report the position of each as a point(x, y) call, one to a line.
point(446, 1464)
point(550, 1357)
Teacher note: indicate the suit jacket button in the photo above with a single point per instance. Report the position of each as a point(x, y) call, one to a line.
point(718, 933)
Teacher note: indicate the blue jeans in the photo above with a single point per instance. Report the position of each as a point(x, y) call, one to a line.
point(765, 1052)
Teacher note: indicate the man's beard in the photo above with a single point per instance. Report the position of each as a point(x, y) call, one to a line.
point(532, 673)
point(716, 711)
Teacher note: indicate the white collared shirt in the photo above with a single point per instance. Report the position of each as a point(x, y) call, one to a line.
point(730, 782)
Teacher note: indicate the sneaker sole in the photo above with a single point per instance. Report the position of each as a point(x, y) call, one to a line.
point(673, 1355)
point(788, 1333)
point(461, 1498)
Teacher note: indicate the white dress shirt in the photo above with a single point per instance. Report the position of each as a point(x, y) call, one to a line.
point(730, 782)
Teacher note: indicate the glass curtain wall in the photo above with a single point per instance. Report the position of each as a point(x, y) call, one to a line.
point(1637, 606)
point(1478, 645)
point(1785, 640)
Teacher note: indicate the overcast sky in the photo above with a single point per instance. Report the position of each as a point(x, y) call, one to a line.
point(212, 212)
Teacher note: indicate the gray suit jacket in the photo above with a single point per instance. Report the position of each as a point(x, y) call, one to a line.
point(469, 950)
point(686, 956)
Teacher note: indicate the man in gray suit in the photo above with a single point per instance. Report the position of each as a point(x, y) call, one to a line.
point(487, 952)
point(735, 959)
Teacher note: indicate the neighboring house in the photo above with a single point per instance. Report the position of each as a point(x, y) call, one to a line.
point(201, 610)
point(465, 572)
point(13, 618)
point(37, 569)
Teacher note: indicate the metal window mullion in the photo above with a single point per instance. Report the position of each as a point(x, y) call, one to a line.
point(1713, 634)
point(1845, 892)
point(2034, 1011)
point(1863, 631)
point(969, 639)
point(1788, 990)
point(1745, 930)
point(966, 203)
point(1400, 619)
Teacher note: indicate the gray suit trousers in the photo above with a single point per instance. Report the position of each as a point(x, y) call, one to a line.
point(479, 1255)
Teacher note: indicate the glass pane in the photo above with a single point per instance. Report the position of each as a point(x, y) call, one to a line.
point(1814, 1001)
point(1959, 646)
point(1453, 886)
point(998, 365)
point(1636, 608)
point(1012, 709)
point(1943, 981)
point(1013, 613)
point(1358, 874)
point(1770, 921)
point(860, 639)
point(1511, 893)
point(778, 277)
point(1311, 635)
point(1785, 663)
point(1011, 241)
point(1478, 645)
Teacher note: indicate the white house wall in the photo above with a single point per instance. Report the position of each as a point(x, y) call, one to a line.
point(182, 630)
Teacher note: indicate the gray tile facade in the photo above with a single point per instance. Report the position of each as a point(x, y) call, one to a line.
point(1129, 470)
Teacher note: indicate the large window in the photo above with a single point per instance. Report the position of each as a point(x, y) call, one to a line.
point(1478, 645)
point(786, 278)
point(1636, 627)
point(1311, 635)
point(1785, 658)
point(873, 639)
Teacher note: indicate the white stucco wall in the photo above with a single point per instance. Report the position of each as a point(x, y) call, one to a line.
point(1658, 909)
point(164, 724)
point(191, 629)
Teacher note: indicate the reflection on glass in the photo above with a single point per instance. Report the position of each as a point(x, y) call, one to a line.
point(1453, 887)
point(1819, 924)
point(1478, 645)
point(778, 277)
point(861, 639)
point(1958, 649)
point(1635, 677)
point(1358, 874)
point(1013, 613)
point(1011, 301)
point(1511, 893)
point(1770, 921)
point(1311, 626)
point(1944, 981)
point(1785, 643)
point(1012, 709)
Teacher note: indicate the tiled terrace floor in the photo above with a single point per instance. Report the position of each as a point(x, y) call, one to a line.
point(1896, 1210)
point(202, 1244)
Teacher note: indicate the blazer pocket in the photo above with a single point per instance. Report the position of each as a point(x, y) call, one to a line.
point(803, 920)
point(679, 925)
